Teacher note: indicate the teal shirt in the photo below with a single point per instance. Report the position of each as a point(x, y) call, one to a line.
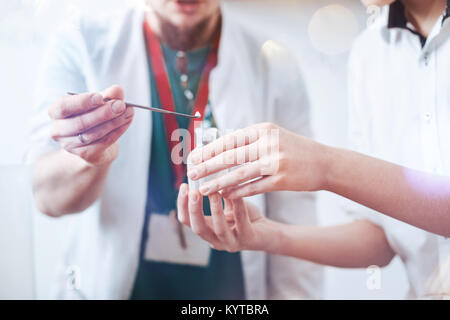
point(223, 277)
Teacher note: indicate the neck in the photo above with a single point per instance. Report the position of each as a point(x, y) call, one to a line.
point(185, 39)
point(424, 14)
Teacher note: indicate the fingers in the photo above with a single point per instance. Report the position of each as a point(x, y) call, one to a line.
point(229, 141)
point(234, 178)
point(81, 123)
point(71, 105)
point(182, 205)
point(230, 228)
point(241, 217)
point(225, 160)
point(93, 153)
point(98, 132)
point(197, 219)
point(228, 211)
point(221, 229)
point(113, 92)
point(263, 185)
point(89, 124)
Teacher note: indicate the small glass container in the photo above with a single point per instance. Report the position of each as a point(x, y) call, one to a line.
point(203, 136)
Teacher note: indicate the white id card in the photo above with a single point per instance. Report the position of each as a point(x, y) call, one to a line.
point(164, 245)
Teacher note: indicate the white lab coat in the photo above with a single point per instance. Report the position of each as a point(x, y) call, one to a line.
point(251, 84)
point(405, 123)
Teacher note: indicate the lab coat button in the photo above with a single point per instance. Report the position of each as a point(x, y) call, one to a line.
point(426, 59)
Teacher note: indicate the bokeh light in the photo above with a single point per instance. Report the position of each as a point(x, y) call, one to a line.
point(332, 29)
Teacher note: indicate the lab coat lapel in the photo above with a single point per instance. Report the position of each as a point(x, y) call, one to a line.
point(125, 190)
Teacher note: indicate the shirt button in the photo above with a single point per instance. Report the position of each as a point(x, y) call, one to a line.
point(426, 59)
point(427, 116)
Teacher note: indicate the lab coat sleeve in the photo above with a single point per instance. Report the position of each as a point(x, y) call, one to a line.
point(360, 140)
point(60, 71)
point(402, 238)
point(358, 127)
point(290, 278)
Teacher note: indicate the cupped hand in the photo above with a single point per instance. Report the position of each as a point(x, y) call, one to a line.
point(234, 225)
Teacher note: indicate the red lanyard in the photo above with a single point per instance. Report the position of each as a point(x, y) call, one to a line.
point(165, 94)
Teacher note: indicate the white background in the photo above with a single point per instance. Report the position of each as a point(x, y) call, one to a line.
point(319, 32)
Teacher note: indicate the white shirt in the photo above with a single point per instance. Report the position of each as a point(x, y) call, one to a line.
point(252, 83)
point(400, 111)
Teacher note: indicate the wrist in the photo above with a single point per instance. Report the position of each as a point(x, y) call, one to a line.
point(333, 159)
point(273, 235)
point(290, 240)
point(324, 164)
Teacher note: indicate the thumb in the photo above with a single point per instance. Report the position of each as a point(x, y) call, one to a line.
point(113, 92)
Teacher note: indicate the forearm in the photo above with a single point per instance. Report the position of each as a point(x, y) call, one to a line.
point(64, 183)
point(415, 197)
point(355, 245)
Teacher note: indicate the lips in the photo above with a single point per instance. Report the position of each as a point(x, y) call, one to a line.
point(188, 6)
point(188, 1)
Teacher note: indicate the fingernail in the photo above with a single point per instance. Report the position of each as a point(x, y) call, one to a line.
point(204, 190)
point(97, 99)
point(118, 107)
point(194, 197)
point(192, 174)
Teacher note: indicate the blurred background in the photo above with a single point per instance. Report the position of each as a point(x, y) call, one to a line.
point(31, 243)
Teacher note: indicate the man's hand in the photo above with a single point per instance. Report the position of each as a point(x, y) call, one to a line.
point(89, 127)
point(235, 227)
point(270, 158)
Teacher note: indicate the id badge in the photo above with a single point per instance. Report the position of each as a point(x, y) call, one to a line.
point(171, 242)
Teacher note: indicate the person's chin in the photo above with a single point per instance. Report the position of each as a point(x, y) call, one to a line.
point(183, 21)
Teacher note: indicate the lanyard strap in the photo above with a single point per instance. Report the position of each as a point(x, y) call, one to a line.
point(165, 94)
